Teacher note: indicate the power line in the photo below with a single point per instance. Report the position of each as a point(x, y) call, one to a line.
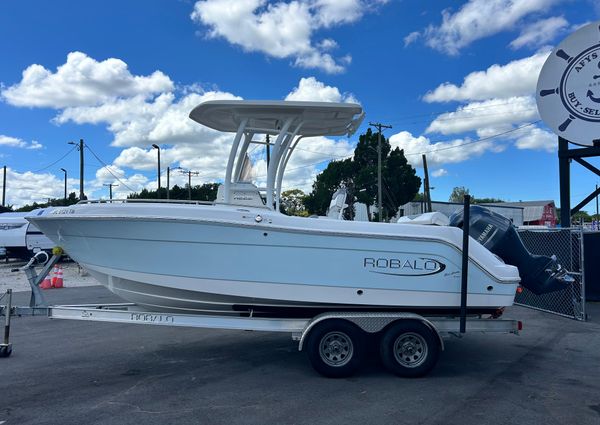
point(57, 161)
point(426, 152)
point(439, 113)
point(333, 157)
point(471, 117)
point(473, 141)
point(108, 168)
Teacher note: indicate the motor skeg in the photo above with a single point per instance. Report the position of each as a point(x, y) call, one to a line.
point(540, 274)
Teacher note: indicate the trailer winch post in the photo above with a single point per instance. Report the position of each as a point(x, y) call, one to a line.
point(465, 264)
point(37, 298)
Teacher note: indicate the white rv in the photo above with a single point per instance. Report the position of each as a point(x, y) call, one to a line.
point(21, 239)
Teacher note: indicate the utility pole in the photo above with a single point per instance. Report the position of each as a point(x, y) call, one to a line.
point(190, 174)
point(379, 126)
point(81, 192)
point(80, 147)
point(426, 185)
point(4, 188)
point(65, 171)
point(155, 146)
point(110, 186)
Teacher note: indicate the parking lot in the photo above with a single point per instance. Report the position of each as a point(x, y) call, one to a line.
point(69, 372)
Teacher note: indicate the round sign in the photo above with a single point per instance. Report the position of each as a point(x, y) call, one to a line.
point(568, 88)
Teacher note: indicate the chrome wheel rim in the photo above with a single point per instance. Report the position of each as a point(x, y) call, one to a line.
point(336, 349)
point(410, 349)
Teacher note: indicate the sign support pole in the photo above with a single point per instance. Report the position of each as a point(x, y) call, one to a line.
point(564, 171)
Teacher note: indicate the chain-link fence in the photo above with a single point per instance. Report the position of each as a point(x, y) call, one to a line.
point(567, 245)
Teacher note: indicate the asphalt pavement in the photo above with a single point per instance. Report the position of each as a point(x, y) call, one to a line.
point(70, 372)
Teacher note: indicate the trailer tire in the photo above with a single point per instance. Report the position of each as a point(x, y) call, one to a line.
point(335, 348)
point(5, 350)
point(409, 349)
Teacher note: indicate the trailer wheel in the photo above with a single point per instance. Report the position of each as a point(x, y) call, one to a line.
point(410, 349)
point(5, 350)
point(335, 348)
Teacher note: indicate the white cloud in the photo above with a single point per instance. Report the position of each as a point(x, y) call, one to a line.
point(540, 32)
point(498, 114)
point(141, 119)
point(82, 81)
point(282, 29)
point(536, 139)
point(313, 90)
point(139, 122)
point(122, 184)
point(28, 187)
point(516, 78)
point(140, 159)
point(307, 161)
point(411, 38)
point(439, 153)
point(136, 123)
point(14, 142)
point(11, 141)
point(327, 44)
point(463, 149)
point(479, 19)
point(334, 12)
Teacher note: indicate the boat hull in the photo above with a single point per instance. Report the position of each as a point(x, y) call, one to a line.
point(204, 264)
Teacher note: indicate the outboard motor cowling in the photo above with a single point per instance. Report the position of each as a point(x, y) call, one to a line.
point(540, 274)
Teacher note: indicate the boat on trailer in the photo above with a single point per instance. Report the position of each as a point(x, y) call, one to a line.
point(239, 263)
point(241, 255)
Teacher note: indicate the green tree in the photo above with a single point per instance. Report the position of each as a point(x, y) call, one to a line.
point(581, 216)
point(292, 203)
point(55, 202)
point(327, 182)
point(401, 182)
point(458, 194)
point(359, 176)
point(487, 201)
point(204, 192)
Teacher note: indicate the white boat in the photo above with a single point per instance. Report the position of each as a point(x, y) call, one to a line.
point(21, 239)
point(242, 256)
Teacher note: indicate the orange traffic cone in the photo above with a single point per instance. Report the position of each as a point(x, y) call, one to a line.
point(59, 278)
point(54, 276)
point(46, 283)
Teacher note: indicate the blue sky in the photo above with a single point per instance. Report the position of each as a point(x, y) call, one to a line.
point(124, 75)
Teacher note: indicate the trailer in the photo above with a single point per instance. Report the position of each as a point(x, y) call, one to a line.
point(336, 342)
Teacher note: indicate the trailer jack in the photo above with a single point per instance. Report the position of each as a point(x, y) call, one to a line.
point(37, 302)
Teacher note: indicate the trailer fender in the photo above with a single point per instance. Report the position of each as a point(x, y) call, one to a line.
point(368, 322)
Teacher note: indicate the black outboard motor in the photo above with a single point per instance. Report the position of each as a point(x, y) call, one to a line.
point(539, 274)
